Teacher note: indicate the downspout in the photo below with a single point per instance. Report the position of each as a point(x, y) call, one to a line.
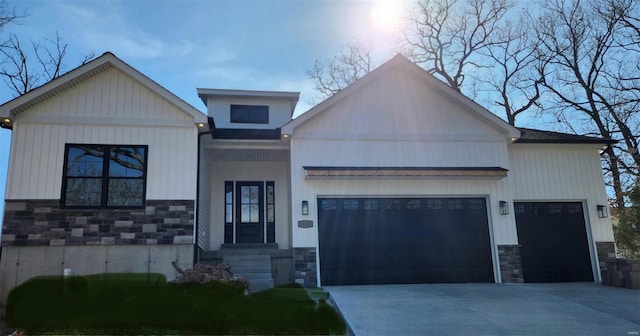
point(196, 254)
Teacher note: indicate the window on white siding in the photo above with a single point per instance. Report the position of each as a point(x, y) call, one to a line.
point(250, 114)
point(104, 176)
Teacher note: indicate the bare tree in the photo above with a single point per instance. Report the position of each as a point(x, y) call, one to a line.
point(513, 79)
point(447, 37)
point(8, 14)
point(592, 73)
point(334, 74)
point(26, 67)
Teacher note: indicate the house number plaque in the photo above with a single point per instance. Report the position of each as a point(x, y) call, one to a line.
point(305, 224)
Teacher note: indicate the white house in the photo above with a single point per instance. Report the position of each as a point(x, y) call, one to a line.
point(395, 179)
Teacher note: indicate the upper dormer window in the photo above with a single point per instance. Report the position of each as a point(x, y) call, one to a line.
point(250, 114)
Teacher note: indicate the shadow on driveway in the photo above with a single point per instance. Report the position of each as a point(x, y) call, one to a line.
point(489, 309)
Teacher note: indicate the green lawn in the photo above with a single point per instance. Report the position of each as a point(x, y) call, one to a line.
point(147, 304)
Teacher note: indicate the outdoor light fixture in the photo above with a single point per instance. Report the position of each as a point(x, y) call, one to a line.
point(7, 120)
point(504, 208)
point(305, 208)
point(285, 136)
point(201, 125)
point(602, 211)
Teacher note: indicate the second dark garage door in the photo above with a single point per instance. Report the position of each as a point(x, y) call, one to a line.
point(403, 240)
point(553, 242)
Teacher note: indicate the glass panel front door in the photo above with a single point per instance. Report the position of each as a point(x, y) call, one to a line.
point(249, 212)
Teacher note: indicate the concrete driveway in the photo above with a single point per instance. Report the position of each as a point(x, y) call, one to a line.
point(489, 309)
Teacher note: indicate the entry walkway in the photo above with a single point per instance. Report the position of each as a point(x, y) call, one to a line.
point(489, 309)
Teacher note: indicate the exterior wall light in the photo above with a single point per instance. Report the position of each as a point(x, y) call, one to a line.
point(602, 211)
point(201, 125)
point(7, 120)
point(305, 208)
point(504, 208)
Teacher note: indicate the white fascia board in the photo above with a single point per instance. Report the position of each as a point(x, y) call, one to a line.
point(98, 65)
point(289, 127)
point(474, 108)
point(88, 70)
point(248, 93)
point(197, 115)
point(291, 96)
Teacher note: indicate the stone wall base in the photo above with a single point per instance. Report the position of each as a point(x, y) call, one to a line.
point(621, 273)
point(44, 223)
point(605, 250)
point(18, 263)
point(306, 273)
point(510, 263)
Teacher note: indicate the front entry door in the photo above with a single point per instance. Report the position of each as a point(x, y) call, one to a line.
point(249, 212)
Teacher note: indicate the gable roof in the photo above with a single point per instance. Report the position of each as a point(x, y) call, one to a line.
point(530, 135)
point(84, 72)
point(401, 62)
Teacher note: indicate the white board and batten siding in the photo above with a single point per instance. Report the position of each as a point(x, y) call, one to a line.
point(398, 122)
point(110, 108)
point(548, 172)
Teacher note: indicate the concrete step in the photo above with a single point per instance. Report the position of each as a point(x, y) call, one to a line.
point(249, 263)
point(257, 276)
point(253, 267)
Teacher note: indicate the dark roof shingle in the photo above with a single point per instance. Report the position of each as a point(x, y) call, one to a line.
point(538, 136)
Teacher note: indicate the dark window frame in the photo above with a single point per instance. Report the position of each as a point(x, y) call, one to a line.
point(104, 177)
point(248, 114)
point(271, 224)
point(228, 225)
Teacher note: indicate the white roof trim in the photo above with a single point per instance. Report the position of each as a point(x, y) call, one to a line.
point(291, 96)
point(249, 93)
point(11, 108)
point(469, 105)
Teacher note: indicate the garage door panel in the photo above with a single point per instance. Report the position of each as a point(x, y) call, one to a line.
point(554, 243)
point(404, 240)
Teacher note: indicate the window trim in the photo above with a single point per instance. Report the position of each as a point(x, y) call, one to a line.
point(249, 117)
point(104, 178)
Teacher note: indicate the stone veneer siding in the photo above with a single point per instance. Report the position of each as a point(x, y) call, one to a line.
point(305, 267)
point(605, 250)
point(510, 263)
point(43, 222)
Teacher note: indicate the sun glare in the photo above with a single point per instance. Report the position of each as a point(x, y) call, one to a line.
point(386, 15)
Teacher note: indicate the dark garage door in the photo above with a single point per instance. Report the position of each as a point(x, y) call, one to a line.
point(553, 242)
point(403, 240)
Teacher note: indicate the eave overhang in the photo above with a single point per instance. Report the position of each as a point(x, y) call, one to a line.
point(106, 61)
point(396, 173)
point(290, 96)
point(400, 62)
point(242, 133)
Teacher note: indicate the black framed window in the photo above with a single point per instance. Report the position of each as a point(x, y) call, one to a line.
point(228, 212)
point(250, 114)
point(271, 211)
point(104, 176)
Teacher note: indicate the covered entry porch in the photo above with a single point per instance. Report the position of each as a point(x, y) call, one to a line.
point(244, 208)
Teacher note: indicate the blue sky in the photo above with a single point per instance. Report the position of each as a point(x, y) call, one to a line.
point(182, 45)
